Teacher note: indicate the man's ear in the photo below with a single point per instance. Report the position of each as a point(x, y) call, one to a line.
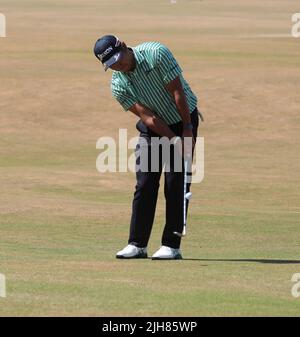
point(123, 44)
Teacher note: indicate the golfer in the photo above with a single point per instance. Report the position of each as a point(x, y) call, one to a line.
point(148, 81)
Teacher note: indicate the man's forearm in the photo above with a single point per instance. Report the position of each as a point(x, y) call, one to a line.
point(152, 121)
point(176, 90)
point(182, 107)
point(158, 126)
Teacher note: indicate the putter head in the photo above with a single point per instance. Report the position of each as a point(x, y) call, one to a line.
point(188, 195)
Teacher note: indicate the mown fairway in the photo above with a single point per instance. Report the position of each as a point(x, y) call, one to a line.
point(61, 221)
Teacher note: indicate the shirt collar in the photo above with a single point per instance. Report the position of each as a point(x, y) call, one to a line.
point(138, 55)
point(140, 59)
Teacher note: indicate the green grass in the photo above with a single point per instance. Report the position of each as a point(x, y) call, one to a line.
point(64, 265)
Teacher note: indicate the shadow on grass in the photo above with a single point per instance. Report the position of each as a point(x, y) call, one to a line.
point(270, 261)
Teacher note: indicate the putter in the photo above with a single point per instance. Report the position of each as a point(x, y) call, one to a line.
point(186, 196)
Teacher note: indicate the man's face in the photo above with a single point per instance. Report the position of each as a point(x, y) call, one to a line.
point(123, 64)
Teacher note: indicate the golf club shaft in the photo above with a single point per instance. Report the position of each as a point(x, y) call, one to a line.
point(184, 195)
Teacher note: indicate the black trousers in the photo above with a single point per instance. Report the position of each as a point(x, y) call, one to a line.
point(146, 192)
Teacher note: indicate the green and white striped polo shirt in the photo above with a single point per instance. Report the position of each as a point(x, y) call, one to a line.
point(155, 67)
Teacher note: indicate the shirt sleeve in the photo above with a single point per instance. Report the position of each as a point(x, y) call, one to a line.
point(123, 97)
point(168, 66)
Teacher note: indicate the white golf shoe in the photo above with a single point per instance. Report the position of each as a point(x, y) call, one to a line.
point(132, 252)
point(167, 253)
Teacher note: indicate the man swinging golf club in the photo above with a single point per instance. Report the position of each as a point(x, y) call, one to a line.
point(148, 81)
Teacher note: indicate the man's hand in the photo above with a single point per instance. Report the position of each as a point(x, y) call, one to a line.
point(185, 144)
